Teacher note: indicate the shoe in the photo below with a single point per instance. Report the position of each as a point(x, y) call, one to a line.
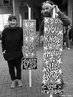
point(19, 83)
point(68, 48)
point(13, 84)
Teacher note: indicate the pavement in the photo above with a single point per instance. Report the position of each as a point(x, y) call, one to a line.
point(35, 90)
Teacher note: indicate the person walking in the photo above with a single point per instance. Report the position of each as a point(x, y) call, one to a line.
point(12, 42)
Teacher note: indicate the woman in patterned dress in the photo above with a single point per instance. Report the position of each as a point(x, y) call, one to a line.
point(48, 86)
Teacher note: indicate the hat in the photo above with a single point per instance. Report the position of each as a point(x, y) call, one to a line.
point(12, 17)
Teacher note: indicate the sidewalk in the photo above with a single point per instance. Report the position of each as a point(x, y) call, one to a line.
point(35, 90)
point(25, 91)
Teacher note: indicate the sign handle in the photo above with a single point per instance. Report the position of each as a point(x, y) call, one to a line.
point(53, 15)
point(30, 79)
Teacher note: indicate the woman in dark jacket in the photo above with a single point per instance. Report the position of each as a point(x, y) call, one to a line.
point(12, 41)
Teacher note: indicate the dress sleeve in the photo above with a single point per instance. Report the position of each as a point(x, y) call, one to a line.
point(65, 19)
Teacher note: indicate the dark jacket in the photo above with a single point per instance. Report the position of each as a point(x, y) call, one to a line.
point(12, 41)
point(66, 21)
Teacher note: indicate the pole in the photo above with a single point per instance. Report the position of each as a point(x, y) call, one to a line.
point(20, 17)
point(30, 84)
point(51, 95)
point(53, 16)
point(29, 13)
point(13, 7)
point(29, 17)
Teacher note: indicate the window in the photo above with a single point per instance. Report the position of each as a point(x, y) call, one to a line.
point(3, 21)
point(6, 2)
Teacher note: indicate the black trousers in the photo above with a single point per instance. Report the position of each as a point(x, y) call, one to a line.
point(15, 64)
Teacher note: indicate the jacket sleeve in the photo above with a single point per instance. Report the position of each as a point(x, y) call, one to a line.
point(3, 41)
point(65, 19)
point(41, 29)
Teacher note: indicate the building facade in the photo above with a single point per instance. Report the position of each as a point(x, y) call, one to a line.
point(20, 9)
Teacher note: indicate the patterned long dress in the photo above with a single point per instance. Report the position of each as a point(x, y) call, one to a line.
point(52, 56)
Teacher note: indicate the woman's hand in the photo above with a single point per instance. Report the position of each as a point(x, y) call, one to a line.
point(57, 9)
point(4, 51)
